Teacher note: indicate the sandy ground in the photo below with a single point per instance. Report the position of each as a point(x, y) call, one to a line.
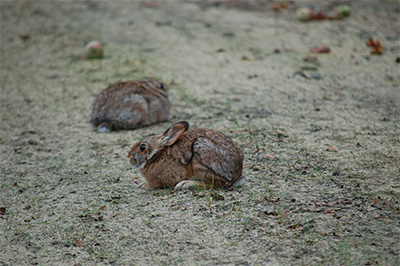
point(320, 134)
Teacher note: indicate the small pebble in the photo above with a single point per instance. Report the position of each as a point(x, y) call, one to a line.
point(94, 50)
point(316, 76)
point(304, 13)
point(166, 22)
point(343, 10)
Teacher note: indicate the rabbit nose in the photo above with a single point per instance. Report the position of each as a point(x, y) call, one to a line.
point(132, 159)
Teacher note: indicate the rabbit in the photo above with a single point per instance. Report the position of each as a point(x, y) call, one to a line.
point(183, 158)
point(131, 104)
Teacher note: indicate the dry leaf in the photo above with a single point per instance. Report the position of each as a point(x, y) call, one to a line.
point(312, 59)
point(24, 37)
point(199, 194)
point(174, 207)
point(149, 4)
point(338, 234)
point(97, 217)
point(79, 243)
point(331, 148)
point(320, 16)
point(322, 49)
point(345, 201)
point(270, 157)
point(332, 210)
point(270, 211)
point(377, 48)
point(281, 5)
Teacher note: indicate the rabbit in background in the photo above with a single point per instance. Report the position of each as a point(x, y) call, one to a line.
point(183, 158)
point(131, 104)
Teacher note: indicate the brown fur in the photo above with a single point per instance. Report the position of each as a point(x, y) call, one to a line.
point(131, 104)
point(203, 156)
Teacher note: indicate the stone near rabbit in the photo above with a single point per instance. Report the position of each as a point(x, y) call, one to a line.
point(131, 104)
point(183, 158)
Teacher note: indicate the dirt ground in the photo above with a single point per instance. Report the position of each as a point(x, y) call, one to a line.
point(320, 133)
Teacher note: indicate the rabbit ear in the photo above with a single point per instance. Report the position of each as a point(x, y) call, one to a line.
point(172, 134)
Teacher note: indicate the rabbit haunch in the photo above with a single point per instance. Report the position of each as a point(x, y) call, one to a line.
point(182, 158)
point(131, 104)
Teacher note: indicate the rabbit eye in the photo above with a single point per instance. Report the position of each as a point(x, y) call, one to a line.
point(143, 147)
point(161, 86)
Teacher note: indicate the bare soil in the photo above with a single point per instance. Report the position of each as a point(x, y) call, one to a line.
point(320, 133)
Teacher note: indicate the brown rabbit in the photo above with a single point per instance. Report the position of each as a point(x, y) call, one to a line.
point(131, 104)
point(180, 158)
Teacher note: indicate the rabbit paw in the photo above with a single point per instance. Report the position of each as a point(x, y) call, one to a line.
point(144, 185)
point(185, 184)
point(240, 182)
point(103, 128)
